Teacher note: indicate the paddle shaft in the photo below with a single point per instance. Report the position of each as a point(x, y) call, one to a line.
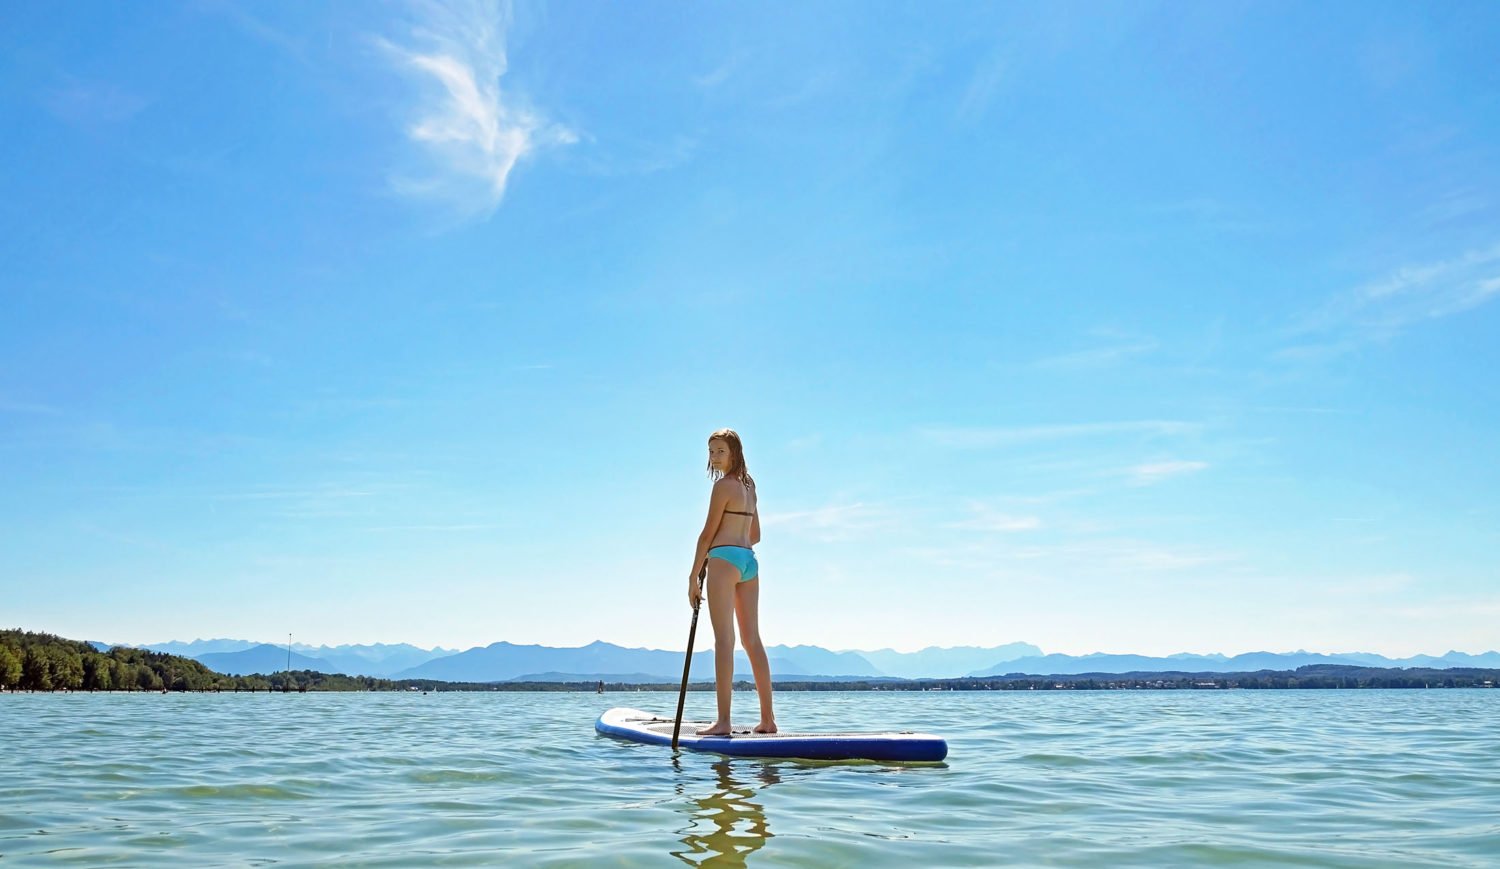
point(687, 663)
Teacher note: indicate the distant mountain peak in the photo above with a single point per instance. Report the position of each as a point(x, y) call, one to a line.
point(503, 660)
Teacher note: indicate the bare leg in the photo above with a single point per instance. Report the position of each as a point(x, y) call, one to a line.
point(747, 610)
point(721, 579)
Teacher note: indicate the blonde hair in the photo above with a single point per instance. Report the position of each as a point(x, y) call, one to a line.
point(737, 467)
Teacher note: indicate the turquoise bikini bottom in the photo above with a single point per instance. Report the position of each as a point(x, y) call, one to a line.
point(742, 557)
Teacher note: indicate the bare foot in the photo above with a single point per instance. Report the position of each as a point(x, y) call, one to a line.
point(766, 727)
point(718, 728)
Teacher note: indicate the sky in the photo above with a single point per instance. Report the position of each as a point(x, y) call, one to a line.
point(1135, 328)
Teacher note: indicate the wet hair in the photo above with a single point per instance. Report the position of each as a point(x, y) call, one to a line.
point(736, 457)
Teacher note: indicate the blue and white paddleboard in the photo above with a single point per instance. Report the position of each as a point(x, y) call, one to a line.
point(638, 726)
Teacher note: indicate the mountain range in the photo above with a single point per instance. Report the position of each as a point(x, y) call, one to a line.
point(242, 657)
point(1060, 665)
point(505, 661)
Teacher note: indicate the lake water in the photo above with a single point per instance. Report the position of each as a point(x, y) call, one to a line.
point(1149, 778)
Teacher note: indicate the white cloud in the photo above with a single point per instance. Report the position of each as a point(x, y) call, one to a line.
point(94, 103)
point(1097, 357)
point(7, 406)
point(1387, 307)
point(1155, 472)
point(1089, 562)
point(721, 73)
point(986, 80)
point(834, 522)
point(473, 133)
point(985, 518)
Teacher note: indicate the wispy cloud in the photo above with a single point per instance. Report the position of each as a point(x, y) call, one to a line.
point(984, 437)
point(721, 73)
point(1098, 357)
point(133, 540)
point(1385, 308)
point(94, 103)
point(1457, 204)
point(985, 518)
point(815, 84)
point(326, 501)
point(1363, 586)
point(254, 26)
point(1436, 289)
point(1152, 558)
point(833, 523)
point(989, 74)
point(1155, 472)
point(473, 133)
point(632, 156)
point(26, 407)
point(1098, 559)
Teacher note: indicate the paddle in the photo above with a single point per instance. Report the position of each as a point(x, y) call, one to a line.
point(687, 663)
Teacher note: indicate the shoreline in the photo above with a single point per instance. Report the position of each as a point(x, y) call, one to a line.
point(1313, 677)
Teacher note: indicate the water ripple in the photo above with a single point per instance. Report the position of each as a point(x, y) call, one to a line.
point(1316, 778)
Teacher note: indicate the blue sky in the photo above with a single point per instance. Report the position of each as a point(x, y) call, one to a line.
point(1130, 328)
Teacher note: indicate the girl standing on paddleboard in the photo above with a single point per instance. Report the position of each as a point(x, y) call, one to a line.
point(733, 581)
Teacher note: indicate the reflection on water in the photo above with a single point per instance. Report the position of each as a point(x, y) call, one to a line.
point(727, 825)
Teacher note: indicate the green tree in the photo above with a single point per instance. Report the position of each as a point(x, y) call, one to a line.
point(96, 673)
point(67, 668)
point(10, 668)
point(36, 669)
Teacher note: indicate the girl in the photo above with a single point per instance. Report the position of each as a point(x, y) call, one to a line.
point(733, 527)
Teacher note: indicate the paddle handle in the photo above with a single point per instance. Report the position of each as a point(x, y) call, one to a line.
point(687, 663)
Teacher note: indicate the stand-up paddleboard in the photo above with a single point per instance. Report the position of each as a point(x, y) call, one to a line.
point(638, 726)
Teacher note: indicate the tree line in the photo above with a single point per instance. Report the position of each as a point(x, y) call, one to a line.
point(45, 662)
point(32, 661)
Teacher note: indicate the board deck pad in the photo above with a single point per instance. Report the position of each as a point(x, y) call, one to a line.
point(647, 727)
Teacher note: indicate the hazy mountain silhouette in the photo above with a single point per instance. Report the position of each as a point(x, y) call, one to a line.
point(504, 661)
point(264, 658)
point(194, 648)
point(378, 659)
point(935, 662)
point(1249, 662)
